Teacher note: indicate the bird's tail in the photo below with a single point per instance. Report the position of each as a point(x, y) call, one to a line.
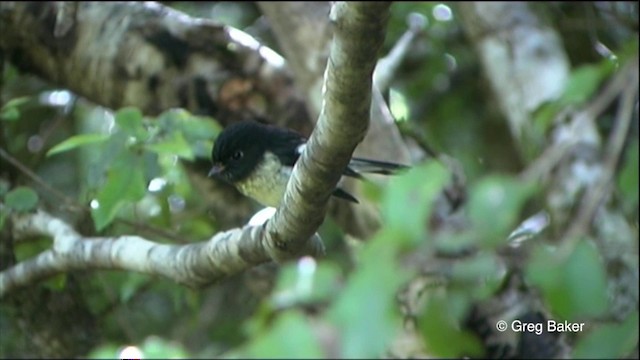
point(358, 166)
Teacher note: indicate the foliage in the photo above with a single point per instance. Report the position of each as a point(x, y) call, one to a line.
point(126, 167)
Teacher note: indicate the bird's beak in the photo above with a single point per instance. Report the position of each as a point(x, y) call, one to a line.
point(216, 170)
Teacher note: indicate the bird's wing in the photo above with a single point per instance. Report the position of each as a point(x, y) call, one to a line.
point(289, 146)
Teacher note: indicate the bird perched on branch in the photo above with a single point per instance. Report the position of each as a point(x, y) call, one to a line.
point(258, 160)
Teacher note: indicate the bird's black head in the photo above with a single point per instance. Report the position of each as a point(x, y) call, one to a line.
point(238, 150)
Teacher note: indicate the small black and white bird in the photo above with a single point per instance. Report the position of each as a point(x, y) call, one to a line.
point(258, 160)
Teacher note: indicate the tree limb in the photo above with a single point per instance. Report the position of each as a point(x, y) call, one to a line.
point(290, 233)
point(523, 59)
point(147, 55)
point(343, 122)
point(193, 265)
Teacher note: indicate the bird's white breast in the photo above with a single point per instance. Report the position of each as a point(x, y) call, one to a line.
point(267, 183)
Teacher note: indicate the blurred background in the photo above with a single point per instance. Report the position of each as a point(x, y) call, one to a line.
point(421, 284)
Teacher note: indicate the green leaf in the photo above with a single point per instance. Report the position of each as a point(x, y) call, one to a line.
point(545, 114)
point(16, 102)
point(289, 337)
point(477, 277)
point(125, 183)
point(9, 114)
point(584, 82)
point(366, 312)
point(443, 336)
point(175, 145)
point(563, 284)
point(155, 347)
point(129, 119)
point(494, 206)
point(27, 249)
point(108, 351)
point(130, 286)
point(76, 141)
point(197, 128)
point(610, 341)
point(298, 285)
point(9, 111)
point(407, 203)
point(21, 198)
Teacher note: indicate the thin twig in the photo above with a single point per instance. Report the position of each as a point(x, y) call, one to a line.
point(550, 157)
point(601, 188)
point(73, 205)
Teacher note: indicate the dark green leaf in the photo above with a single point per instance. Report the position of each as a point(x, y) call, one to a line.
point(77, 140)
point(125, 183)
point(21, 198)
point(9, 114)
point(9, 111)
point(130, 286)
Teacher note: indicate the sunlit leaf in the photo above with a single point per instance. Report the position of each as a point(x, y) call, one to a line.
point(477, 276)
point(407, 202)
point(197, 128)
point(175, 145)
point(108, 351)
point(155, 347)
point(21, 198)
point(562, 281)
point(129, 119)
point(494, 207)
point(584, 82)
point(76, 141)
point(289, 337)
point(366, 311)
point(442, 334)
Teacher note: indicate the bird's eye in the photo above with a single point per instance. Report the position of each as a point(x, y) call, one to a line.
point(237, 155)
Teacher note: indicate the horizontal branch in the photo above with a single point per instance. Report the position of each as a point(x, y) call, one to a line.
point(193, 265)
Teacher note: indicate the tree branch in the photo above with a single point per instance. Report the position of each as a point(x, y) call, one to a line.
point(150, 56)
point(193, 265)
point(342, 125)
point(523, 59)
point(305, 51)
